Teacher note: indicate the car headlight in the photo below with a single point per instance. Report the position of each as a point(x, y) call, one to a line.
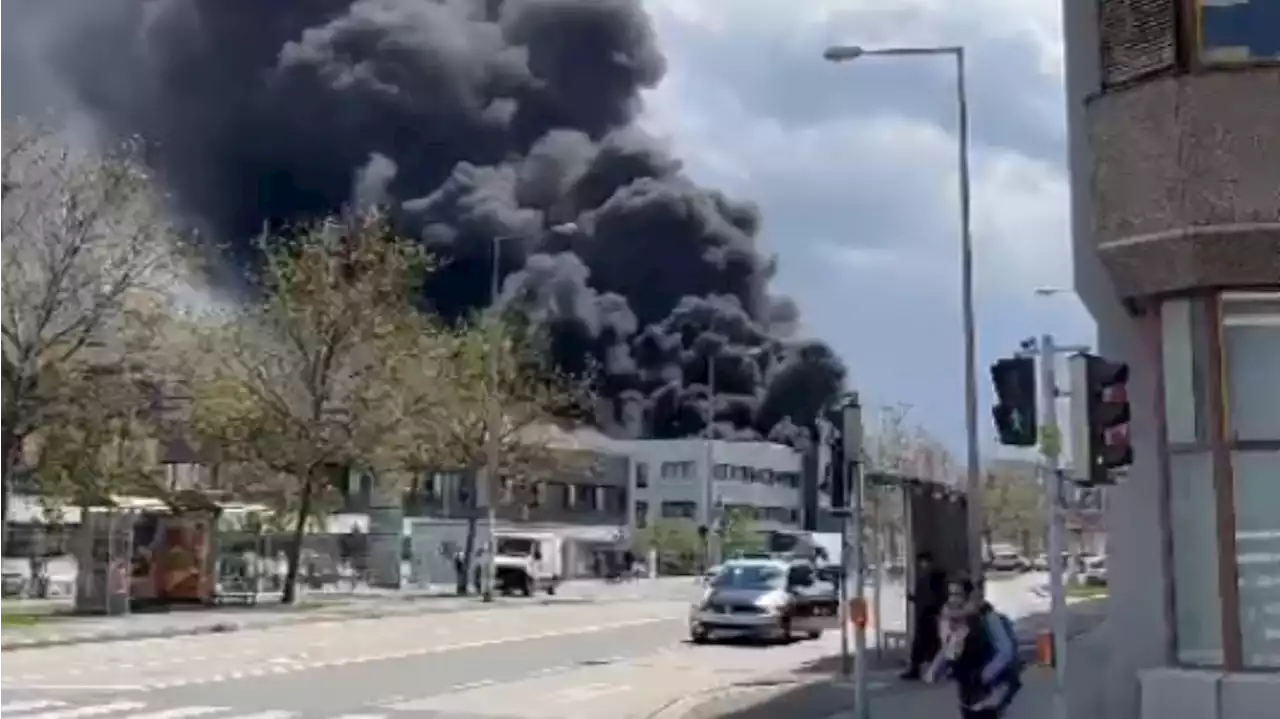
point(769, 606)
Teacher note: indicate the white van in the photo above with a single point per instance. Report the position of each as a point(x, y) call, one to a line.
point(528, 562)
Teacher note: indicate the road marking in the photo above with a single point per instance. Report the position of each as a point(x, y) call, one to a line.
point(264, 715)
point(179, 713)
point(588, 692)
point(360, 716)
point(89, 711)
point(29, 705)
point(76, 687)
point(413, 652)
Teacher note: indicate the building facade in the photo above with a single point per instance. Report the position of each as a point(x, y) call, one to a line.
point(698, 479)
point(1174, 129)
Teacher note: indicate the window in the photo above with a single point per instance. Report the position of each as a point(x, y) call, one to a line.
point(800, 575)
point(642, 515)
point(1197, 606)
point(559, 495)
point(588, 497)
point(1184, 355)
point(1251, 361)
point(1257, 479)
point(721, 471)
point(1237, 32)
point(642, 475)
point(613, 499)
point(677, 470)
point(679, 510)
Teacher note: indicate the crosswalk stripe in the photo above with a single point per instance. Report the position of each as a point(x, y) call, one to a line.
point(179, 713)
point(89, 711)
point(29, 705)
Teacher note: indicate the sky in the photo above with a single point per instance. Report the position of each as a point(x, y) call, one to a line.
point(854, 166)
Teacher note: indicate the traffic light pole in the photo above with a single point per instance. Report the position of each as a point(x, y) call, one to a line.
point(1050, 447)
point(852, 558)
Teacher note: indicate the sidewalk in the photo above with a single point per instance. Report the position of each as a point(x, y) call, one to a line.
point(810, 692)
point(49, 623)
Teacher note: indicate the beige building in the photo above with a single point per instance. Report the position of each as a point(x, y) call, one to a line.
point(1174, 118)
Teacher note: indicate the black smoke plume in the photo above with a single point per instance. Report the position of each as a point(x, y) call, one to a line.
point(477, 119)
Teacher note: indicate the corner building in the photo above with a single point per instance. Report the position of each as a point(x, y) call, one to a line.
point(1174, 134)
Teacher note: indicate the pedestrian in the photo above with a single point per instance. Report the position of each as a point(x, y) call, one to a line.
point(629, 564)
point(477, 572)
point(460, 572)
point(927, 600)
point(979, 652)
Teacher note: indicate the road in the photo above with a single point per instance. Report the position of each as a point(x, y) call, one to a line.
point(588, 660)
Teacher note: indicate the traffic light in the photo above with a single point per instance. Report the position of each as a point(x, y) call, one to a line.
point(1015, 410)
point(1099, 418)
point(836, 464)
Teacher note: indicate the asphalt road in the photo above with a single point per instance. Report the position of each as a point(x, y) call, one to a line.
point(588, 660)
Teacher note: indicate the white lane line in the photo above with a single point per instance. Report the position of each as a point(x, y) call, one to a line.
point(89, 711)
point(74, 687)
point(361, 716)
point(29, 705)
point(264, 715)
point(588, 692)
point(178, 713)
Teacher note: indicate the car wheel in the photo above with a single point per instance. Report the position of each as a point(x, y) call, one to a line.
point(699, 635)
point(814, 634)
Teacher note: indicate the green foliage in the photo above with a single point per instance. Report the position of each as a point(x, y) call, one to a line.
point(677, 544)
point(738, 535)
point(1013, 508)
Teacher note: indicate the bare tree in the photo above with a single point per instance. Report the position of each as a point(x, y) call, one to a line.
point(299, 381)
point(1013, 508)
point(86, 245)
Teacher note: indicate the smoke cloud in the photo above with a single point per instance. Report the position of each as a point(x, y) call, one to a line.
point(476, 120)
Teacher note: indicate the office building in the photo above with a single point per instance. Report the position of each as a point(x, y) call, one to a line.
point(698, 480)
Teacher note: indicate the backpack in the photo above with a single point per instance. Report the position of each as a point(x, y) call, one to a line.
point(1016, 665)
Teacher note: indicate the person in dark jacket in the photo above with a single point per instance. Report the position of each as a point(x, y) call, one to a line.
point(927, 600)
point(980, 655)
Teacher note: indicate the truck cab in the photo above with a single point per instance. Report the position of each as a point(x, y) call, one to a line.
point(525, 563)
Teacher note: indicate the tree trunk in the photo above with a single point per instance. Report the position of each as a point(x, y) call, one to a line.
point(468, 550)
point(293, 553)
point(11, 444)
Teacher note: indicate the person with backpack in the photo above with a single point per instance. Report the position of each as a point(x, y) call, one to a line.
point(980, 653)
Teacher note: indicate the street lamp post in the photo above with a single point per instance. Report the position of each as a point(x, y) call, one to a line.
point(494, 411)
point(845, 53)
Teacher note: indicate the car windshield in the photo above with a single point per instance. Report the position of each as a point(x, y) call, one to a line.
point(515, 547)
point(749, 576)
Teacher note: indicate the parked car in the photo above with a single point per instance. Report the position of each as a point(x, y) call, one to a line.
point(1095, 572)
point(1008, 561)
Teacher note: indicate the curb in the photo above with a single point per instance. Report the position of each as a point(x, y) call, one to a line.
point(406, 606)
point(224, 627)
